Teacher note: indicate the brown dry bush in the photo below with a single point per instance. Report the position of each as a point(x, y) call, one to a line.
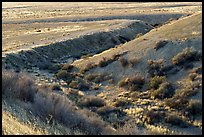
point(67, 67)
point(92, 101)
point(61, 109)
point(97, 77)
point(132, 83)
point(156, 67)
point(18, 86)
point(160, 44)
point(194, 107)
point(66, 76)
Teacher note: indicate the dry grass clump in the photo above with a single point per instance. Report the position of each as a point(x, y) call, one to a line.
point(88, 66)
point(186, 55)
point(192, 76)
point(132, 83)
point(160, 44)
point(105, 110)
point(92, 101)
point(97, 77)
point(18, 86)
point(155, 67)
point(176, 103)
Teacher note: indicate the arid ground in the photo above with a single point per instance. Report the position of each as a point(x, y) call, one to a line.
point(102, 68)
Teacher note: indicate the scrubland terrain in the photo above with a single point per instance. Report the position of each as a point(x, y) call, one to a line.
point(102, 68)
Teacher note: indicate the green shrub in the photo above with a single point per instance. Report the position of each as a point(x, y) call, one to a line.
point(156, 81)
point(186, 55)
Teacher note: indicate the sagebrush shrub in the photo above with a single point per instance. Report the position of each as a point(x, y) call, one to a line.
point(186, 55)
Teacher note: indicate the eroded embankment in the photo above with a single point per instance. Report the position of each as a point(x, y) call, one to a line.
point(44, 56)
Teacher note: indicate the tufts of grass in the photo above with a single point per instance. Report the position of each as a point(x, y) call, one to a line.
point(186, 55)
point(152, 116)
